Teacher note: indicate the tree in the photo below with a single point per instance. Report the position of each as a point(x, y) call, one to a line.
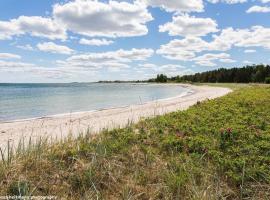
point(247, 74)
point(161, 78)
point(267, 80)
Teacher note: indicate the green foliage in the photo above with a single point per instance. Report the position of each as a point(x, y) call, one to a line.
point(217, 149)
point(227, 138)
point(161, 78)
point(172, 143)
point(18, 188)
point(267, 80)
point(248, 74)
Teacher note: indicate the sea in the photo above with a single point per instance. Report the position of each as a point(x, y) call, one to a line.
point(24, 101)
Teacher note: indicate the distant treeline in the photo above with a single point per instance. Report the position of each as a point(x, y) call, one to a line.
point(248, 74)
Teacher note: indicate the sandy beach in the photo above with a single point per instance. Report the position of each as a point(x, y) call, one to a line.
point(60, 126)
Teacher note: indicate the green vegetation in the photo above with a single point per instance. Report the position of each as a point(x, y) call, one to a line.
point(161, 78)
point(248, 74)
point(217, 149)
point(232, 86)
point(267, 80)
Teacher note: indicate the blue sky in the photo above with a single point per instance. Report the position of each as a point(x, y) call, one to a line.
point(91, 40)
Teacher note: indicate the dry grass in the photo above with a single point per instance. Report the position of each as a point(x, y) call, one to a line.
point(218, 149)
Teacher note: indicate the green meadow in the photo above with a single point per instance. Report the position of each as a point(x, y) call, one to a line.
point(217, 149)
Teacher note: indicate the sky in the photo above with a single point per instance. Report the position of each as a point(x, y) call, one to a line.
point(92, 40)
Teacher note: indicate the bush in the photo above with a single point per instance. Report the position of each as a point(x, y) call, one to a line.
point(267, 80)
point(218, 149)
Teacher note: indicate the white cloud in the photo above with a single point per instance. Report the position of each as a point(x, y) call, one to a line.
point(9, 56)
point(258, 9)
point(256, 36)
point(186, 25)
point(265, 1)
point(247, 62)
point(173, 52)
point(34, 70)
point(187, 48)
point(206, 63)
point(177, 5)
point(42, 72)
point(173, 71)
point(12, 66)
point(85, 17)
point(116, 59)
point(25, 47)
point(41, 27)
point(8, 29)
point(168, 69)
point(227, 1)
point(34, 25)
point(112, 19)
point(147, 65)
point(227, 60)
point(183, 72)
point(114, 69)
point(119, 56)
point(54, 48)
point(96, 42)
point(250, 51)
point(208, 59)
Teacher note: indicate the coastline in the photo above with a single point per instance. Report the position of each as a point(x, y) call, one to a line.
point(97, 110)
point(60, 126)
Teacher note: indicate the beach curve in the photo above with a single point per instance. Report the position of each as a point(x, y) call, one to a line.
point(60, 126)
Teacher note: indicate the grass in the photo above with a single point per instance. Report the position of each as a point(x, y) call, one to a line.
point(217, 149)
point(233, 86)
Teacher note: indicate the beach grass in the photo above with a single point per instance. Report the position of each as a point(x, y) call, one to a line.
point(217, 149)
point(233, 86)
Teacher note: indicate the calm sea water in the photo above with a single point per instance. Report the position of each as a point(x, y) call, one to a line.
point(20, 101)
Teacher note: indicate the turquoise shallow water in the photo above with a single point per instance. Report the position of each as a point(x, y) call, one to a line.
point(20, 101)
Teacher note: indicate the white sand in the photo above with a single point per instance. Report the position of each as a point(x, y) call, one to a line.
point(60, 126)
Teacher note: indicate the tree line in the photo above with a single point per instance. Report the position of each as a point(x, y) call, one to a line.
point(247, 74)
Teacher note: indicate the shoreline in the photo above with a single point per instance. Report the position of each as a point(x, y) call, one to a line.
point(190, 92)
point(60, 126)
